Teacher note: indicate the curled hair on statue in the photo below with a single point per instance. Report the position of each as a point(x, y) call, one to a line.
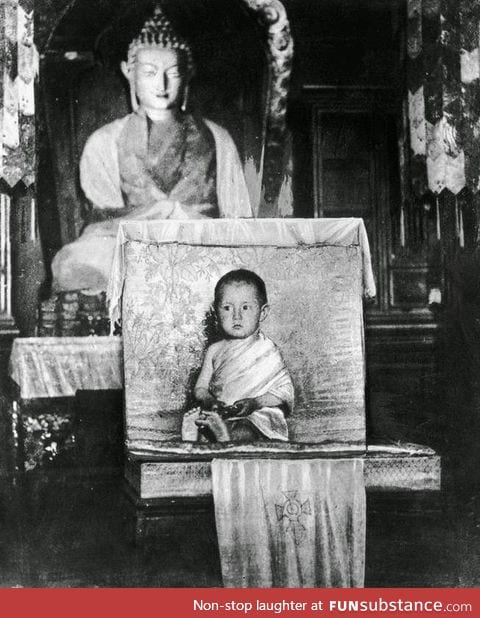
point(158, 31)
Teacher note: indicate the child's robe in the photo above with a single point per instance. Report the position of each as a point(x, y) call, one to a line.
point(235, 369)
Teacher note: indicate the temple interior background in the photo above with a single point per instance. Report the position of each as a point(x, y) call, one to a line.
point(67, 523)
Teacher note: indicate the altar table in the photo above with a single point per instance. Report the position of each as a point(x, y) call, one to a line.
point(54, 369)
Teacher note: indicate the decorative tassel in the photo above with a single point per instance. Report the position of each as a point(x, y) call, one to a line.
point(8, 257)
point(27, 61)
point(437, 212)
point(457, 220)
point(11, 131)
point(33, 220)
point(461, 232)
point(1, 140)
point(402, 226)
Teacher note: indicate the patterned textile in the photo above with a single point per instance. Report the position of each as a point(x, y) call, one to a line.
point(315, 293)
point(18, 70)
point(284, 523)
point(58, 367)
point(177, 162)
point(443, 72)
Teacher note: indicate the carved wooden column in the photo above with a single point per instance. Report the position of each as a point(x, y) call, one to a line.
point(275, 177)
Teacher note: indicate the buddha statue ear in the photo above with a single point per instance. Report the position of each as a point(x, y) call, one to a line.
point(128, 73)
point(184, 105)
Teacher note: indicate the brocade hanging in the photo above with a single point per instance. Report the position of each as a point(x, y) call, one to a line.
point(443, 74)
point(18, 70)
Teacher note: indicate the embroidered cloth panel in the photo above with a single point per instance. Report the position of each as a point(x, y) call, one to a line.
point(316, 273)
point(285, 524)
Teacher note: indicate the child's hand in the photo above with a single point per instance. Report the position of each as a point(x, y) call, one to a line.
point(208, 403)
point(206, 400)
point(244, 407)
point(192, 411)
point(218, 405)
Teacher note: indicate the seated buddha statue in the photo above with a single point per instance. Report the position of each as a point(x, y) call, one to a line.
point(158, 162)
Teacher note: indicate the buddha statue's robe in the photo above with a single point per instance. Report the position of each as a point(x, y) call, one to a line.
point(235, 369)
point(135, 169)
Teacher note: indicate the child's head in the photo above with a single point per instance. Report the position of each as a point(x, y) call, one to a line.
point(240, 303)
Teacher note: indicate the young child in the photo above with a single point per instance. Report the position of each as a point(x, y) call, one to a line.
point(244, 389)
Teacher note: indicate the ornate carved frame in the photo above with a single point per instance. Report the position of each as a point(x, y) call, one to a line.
point(272, 14)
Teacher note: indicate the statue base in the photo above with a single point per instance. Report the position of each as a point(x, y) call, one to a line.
point(74, 314)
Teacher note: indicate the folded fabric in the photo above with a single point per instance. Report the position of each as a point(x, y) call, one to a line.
point(239, 233)
point(270, 422)
point(285, 523)
point(246, 368)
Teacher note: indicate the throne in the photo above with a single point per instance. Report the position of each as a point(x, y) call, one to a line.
point(317, 273)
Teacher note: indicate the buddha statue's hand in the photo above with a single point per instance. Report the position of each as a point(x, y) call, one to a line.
point(169, 209)
point(161, 209)
point(102, 228)
point(191, 211)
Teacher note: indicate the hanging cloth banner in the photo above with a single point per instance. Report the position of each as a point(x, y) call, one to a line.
point(416, 97)
point(18, 71)
point(469, 17)
point(443, 75)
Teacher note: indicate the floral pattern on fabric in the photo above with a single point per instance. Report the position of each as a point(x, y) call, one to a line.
point(316, 320)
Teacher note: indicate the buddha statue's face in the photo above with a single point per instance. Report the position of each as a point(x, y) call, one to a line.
point(158, 77)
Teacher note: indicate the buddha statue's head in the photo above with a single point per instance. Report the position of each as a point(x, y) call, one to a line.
point(158, 67)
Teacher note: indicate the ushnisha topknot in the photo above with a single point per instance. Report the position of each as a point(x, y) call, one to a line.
point(158, 31)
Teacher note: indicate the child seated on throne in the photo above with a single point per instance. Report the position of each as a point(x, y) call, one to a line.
point(244, 389)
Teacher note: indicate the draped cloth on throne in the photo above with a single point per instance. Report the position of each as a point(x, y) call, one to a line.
point(290, 523)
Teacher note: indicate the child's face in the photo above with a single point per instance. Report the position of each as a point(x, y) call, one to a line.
point(239, 311)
